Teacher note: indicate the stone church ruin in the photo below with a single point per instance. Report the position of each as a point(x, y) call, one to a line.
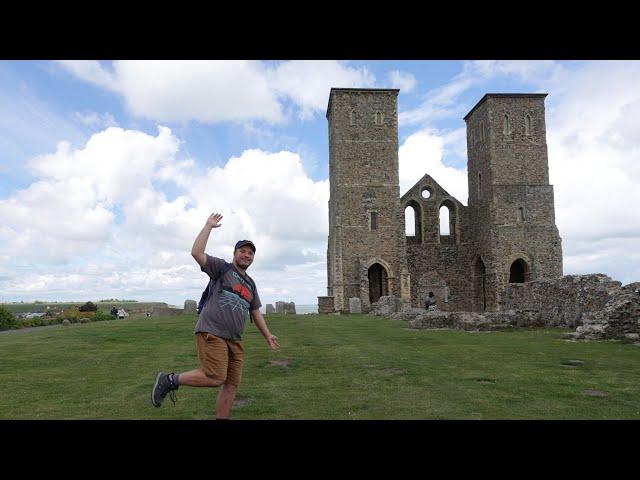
point(500, 257)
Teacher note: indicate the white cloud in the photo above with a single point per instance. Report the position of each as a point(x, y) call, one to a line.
point(96, 205)
point(443, 102)
point(593, 113)
point(405, 81)
point(308, 83)
point(422, 153)
point(95, 120)
point(215, 91)
point(594, 144)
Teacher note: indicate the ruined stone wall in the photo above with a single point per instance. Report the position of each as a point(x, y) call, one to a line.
point(438, 263)
point(564, 301)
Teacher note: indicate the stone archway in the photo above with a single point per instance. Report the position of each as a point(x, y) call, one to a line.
point(519, 271)
point(378, 282)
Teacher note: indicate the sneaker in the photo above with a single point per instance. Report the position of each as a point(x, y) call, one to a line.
point(164, 384)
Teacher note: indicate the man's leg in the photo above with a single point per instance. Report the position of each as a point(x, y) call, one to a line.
point(197, 378)
point(225, 401)
point(234, 376)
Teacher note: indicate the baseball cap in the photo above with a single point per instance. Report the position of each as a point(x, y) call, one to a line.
point(242, 243)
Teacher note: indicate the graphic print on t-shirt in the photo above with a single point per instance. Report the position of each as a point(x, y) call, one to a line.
point(238, 296)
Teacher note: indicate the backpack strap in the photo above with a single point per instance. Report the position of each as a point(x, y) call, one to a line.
point(218, 280)
point(210, 285)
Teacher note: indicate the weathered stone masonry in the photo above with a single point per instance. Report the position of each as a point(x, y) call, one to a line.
point(506, 234)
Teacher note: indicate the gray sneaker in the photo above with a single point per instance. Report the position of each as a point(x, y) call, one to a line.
point(165, 383)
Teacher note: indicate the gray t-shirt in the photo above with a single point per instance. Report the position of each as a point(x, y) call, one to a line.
point(229, 302)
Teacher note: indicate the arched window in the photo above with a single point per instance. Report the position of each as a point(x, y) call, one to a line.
point(353, 117)
point(409, 221)
point(444, 220)
point(379, 118)
point(507, 125)
point(519, 271)
point(413, 222)
point(520, 214)
point(447, 214)
point(527, 125)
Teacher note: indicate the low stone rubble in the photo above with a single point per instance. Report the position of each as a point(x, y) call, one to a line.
point(599, 307)
point(619, 318)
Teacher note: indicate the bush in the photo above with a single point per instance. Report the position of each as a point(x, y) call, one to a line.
point(89, 307)
point(101, 316)
point(72, 314)
point(7, 320)
point(38, 322)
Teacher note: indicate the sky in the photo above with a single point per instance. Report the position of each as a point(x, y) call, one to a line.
point(109, 169)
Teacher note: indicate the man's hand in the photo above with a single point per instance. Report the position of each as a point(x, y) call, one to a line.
point(273, 342)
point(214, 220)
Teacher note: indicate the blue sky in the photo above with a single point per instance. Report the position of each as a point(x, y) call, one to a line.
point(109, 169)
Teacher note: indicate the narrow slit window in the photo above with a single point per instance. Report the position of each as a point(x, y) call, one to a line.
point(479, 186)
point(374, 220)
point(353, 117)
point(507, 125)
point(527, 125)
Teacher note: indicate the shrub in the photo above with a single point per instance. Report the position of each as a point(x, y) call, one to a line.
point(101, 316)
point(89, 307)
point(7, 320)
point(72, 314)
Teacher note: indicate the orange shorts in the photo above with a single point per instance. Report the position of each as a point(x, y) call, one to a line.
point(220, 359)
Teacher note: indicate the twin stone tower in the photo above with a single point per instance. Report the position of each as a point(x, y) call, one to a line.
point(506, 234)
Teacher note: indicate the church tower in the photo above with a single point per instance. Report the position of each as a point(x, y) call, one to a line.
point(510, 199)
point(366, 254)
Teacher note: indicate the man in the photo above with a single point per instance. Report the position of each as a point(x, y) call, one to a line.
point(430, 302)
point(219, 328)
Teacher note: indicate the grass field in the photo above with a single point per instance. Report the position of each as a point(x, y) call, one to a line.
point(328, 367)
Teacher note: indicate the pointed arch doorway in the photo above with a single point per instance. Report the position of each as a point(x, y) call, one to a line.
point(378, 282)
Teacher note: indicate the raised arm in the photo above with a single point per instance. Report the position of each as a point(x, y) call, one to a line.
point(197, 251)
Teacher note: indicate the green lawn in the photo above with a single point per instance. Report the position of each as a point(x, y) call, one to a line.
point(340, 367)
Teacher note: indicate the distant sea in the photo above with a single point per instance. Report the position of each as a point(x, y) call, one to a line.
point(300, 309)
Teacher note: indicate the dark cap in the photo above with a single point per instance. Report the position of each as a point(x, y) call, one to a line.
point(242, 243)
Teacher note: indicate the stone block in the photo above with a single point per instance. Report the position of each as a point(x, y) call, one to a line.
point(190, 307)
point(355, 305)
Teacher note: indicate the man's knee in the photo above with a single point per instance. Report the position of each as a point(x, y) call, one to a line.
point(229, 387)
point(215, 379)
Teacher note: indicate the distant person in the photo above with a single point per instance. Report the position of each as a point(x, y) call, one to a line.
point(430, 302)
point(232, 294)
point(114, 312)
